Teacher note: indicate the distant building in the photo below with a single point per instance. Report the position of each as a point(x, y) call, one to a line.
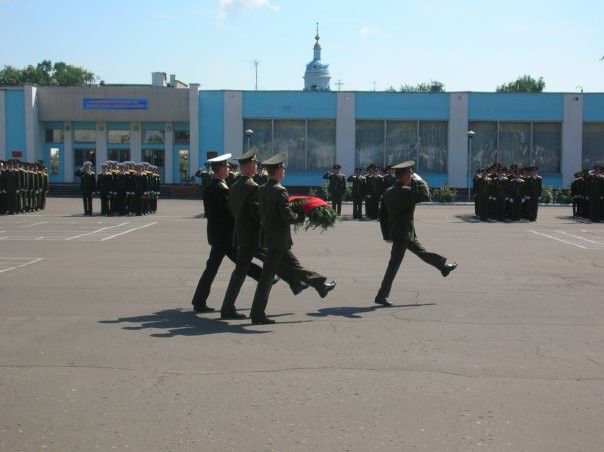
point(178, 127)
point(316, 77)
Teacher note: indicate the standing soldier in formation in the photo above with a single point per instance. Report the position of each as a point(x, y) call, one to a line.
point(219, 232)
point(261, 176)
point(498, 195)
point(88, 186)
point(3, 201)
point(359, 189)
point(276, 216)
point(515, 194)
point(396, 221)
point(374, 191)
point(532, 189)
point(336, 187)
point(103, 186)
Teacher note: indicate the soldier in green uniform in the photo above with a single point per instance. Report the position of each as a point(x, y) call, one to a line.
point(498, 194)
point(396, 221)
point(219, 232)
point(3, 202)
point(243, 205)
point(359, 189)
point(336, 187)
point(515, 194)
point(276, 216)
point(533, 190)
point(374, 191)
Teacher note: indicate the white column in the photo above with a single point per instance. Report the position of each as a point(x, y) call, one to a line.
point(32, 125)
point(572, 138)
point(457, 160)
point(136, 137)
point(168, 152)
point(194, 128)
point(3, 125)
point(345, 132)
point(233, 122)
point(101, 144)
point(68, 153)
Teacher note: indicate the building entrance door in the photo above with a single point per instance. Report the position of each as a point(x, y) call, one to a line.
point(181, 167)
point(155, 157)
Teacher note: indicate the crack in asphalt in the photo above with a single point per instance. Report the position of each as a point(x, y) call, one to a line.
point(168, 373)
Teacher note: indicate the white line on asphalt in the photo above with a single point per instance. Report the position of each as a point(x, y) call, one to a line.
point(129, 230)
point(98, 230)
point(35, 224)
point(556, 238)
point(578, 237)
point(22, 265)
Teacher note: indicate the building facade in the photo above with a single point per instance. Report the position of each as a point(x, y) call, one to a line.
point(178, 127)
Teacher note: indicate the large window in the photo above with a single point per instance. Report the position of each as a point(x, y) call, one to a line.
point(520, 143)
point(593, 145)
point(118, 155)
point(54, 135)
point(154, 156)
point(182, 137)
point(118, 136)
point(310, 144)
point(386, 143)
point(153, 136)
point(84, 136)
point(55, 160)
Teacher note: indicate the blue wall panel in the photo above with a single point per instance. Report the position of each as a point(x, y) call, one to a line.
point(515, 107)
point(211, 123)
point(14, 110)
point(403, 106)
point(289, 105)
point(593, 107)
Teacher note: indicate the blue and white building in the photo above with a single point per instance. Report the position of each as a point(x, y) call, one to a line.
point(177, 127)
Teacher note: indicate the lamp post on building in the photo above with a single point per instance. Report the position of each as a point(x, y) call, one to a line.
point(470, 134)
point(248, 134)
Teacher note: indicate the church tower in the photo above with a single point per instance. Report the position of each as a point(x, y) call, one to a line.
point(316, 77)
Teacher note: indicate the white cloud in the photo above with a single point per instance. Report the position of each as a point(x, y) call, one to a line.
point(367, 30)
point(227, 7)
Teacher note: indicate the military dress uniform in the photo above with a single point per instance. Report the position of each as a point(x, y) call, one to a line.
point(243, 205)
point(276, 217)
point(359, 190)
point(336, 187)
point(87, 186)
point(533, 190)
point(374, 191)
point(220, 225)
point(396, 222)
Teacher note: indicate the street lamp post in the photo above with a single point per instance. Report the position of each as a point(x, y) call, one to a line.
point(470, 134)
point(248, 134)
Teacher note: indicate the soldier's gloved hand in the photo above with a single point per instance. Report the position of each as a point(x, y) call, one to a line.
point(416, 177)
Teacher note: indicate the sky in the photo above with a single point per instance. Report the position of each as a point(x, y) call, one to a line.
point(467, 45)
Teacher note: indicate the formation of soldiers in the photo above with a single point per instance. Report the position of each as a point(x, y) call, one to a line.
point(587, 194)
point(507, 194)
point(23, 187)
point(125, 188)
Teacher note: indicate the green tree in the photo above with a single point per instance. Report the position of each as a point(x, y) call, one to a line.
point(426, 87)
point(524, 84)
point(45, 73)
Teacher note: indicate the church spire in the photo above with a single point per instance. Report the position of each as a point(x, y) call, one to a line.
point(317, 48)
point(316, 77)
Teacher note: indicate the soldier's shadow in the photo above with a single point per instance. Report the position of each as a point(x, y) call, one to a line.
point(176, 322)
point(350, 312)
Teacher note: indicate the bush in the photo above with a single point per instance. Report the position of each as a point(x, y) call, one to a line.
point(348, 194)
point(324, 191)
point(561, 196)
point(444, 194)
point(547, 195)
point(312, 192)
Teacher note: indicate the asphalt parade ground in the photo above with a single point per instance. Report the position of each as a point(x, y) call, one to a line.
point(99, 348)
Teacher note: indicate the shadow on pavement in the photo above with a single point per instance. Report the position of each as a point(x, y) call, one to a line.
point(354, 312)
point(575, 219)
point(177, 322)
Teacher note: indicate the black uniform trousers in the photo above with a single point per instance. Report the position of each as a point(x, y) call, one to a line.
point(245, 255)
point(87, 199)
point(275, 258)
point(357, 208)
point(217, 254)
point(396, 257)
point(532, 206)
point(336, 203)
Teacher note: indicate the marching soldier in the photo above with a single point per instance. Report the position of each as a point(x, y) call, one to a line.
point(359, 188)
point(336, 187)
point(219, 232)
point(396, 222)
point(88, 186)
point(276, 216)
